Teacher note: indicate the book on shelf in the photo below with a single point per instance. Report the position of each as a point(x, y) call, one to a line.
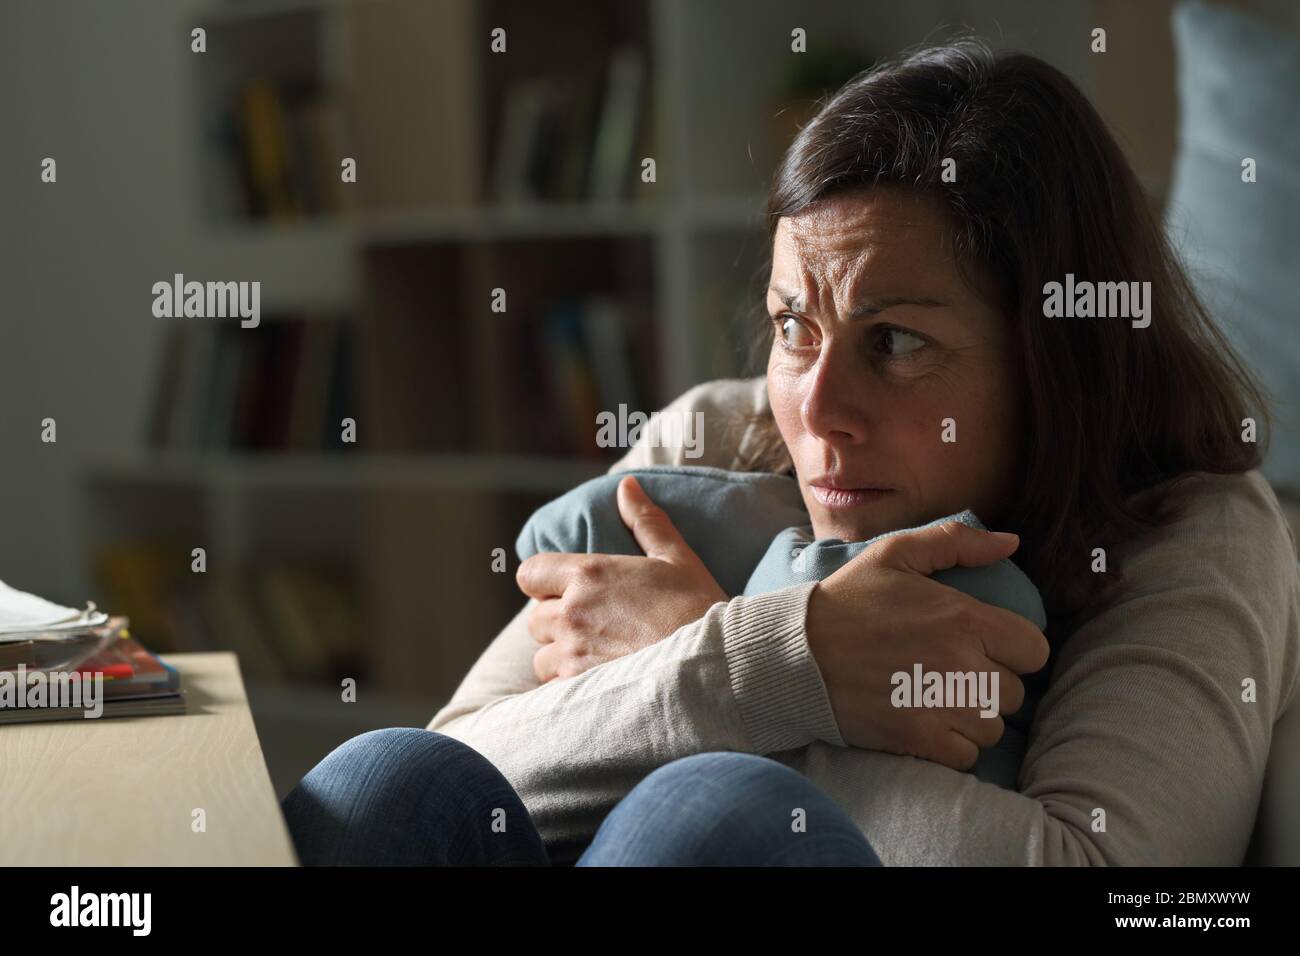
point(288, 385)
point(341, 394)
point(520, 174)
point(296, 620)
point(572, 377)
point(273, 191)
point(229, 620)
point(309, 399)
point(179, 401)
point(276, 149)
point(286, 621)
point(138, 577)
point(577, 132)
point(571, 137)
point(605, 328)
point(284, 386)
point(620, 122)
point(588, 368)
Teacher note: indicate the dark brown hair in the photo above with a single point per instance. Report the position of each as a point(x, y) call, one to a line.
point(1042, 189)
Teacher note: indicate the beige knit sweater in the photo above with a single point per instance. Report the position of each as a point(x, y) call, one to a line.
point(1143, 718)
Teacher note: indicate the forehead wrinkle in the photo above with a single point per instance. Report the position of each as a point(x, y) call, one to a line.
point(837, 260)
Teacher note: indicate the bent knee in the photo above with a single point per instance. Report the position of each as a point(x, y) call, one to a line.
point(727, 787)
point(727, 770)
point(408, 752)
point(725, 809)
point(405, 794)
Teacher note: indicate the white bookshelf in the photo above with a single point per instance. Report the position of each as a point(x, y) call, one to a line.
point(325, 239)
point(251, 471)
point(675, 212)
point(700, 246)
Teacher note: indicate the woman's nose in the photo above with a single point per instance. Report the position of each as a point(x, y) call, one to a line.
point(833, 406)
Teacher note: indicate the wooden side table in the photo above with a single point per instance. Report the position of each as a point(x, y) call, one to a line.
point(123, 791)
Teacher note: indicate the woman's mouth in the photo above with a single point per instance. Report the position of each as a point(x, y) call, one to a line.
point(842, 499)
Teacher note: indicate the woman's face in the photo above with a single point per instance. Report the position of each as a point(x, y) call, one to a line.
point(878, 342)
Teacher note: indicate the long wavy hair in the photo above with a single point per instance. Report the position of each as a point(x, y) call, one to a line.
point(1043, 189)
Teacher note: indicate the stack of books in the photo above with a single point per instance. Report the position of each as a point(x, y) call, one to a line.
point(58, 663)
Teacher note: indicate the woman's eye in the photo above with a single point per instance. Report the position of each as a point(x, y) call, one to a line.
point(897, 342)
point(794, 333)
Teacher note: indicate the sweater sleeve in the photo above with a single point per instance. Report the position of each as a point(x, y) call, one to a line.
point(741, 678)
point(1151, 743)
point(723, 414)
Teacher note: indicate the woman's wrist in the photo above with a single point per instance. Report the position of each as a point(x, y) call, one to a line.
point(775, 680)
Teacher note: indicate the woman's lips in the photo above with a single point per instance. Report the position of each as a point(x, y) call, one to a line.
point(840, 499)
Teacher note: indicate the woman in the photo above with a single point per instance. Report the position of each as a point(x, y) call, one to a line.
point(915, 226)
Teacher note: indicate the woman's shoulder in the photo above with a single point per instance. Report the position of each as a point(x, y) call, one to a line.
point(1220, 514)
point(1217, 581)
point(724, 397)
point(713, 424)
point(1230, 529)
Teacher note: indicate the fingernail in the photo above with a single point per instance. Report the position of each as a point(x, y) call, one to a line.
point(1006, 536)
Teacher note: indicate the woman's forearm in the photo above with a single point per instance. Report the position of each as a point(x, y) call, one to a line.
point(741, 678)
point(1182, 792)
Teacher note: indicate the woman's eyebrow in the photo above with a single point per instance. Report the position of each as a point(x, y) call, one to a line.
point(789, 299)
point(867, 307)
point(872, 306)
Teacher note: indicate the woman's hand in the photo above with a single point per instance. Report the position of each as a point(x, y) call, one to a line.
point(594, 608)
point(880, 614)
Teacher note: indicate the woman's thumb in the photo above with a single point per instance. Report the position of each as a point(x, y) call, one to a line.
point(650, 525)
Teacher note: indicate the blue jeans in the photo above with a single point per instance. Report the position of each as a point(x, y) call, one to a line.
point(414, 797)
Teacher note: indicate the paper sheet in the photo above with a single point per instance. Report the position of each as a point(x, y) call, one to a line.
point(21, 614)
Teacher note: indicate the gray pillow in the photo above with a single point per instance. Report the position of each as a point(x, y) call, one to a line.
point(729, 518)
point(749, 528)
point(1238, 86)
point(794, 558)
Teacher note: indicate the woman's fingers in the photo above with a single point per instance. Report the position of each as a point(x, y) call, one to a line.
point(547, 574)
point(541, 620)
point(1011, 690)
point(650, 525)
point(942, 546)
point(979, 730)
point(1010, 639)
point(546, 663)
point(1004, 636)
point(956, 750)
point(880, 615)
